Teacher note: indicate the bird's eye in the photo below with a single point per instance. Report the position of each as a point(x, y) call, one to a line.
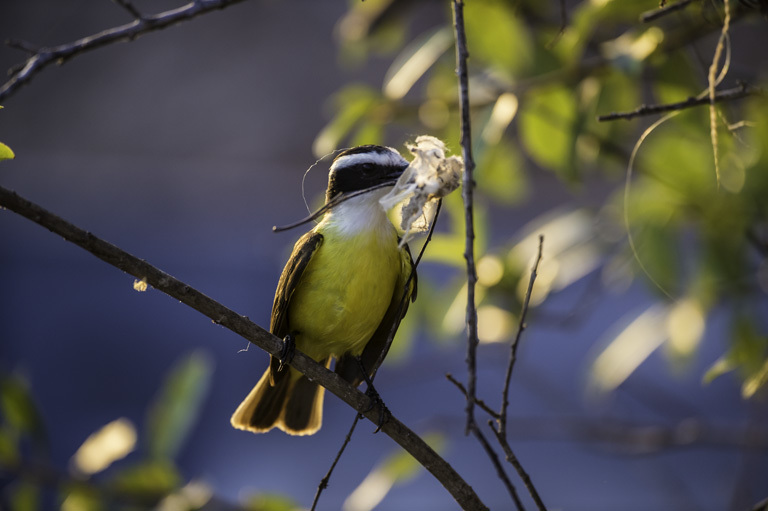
point(367, 168)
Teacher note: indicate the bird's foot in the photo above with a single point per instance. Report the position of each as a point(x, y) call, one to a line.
point(376, 401)
point(286, 354)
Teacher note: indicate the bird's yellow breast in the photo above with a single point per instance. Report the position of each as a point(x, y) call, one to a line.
point(345, 291)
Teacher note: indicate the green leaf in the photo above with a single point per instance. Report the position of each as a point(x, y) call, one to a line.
point(9, 446)
point(397, 468)
point(177, 405)
point(498, 37)
point(80, 498)
point(546, 124)
point(6, 153)
point(353, 103)
point(153, 478)
point(18, 407)
point(500, 173)
point(270, 502)
point(24, 496)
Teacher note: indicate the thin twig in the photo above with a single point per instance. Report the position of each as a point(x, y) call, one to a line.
point(479, 402)
point(655, 14)
point(511, 458)
point(467, 194)
point(241, 325)
point(44, 57)
point(742, 91)
point(513, 347)
point(498, 466)
point(563, 26)
point(128, 6)
point(19, 44)
point(324, 481)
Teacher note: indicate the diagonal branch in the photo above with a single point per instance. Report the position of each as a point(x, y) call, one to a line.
point(46, 56)
point(241, 325)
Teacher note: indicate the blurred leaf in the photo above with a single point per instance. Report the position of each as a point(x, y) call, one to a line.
point(18, 407)
point(657, 252)
point(397, 468)
point(112, 442)
point(154, 478)
point(747, 354)
point(500, 173)
point(9, 446)
point(627, 350)
point(352, 103)
point(176, 407)
point(546, 123)
point(5, 152)
point(80, 498)
point(414, 61)
point(499, 38)
point(24, 496)
point(270, 502)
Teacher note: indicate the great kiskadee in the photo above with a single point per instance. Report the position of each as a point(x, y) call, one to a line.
point(339, 295)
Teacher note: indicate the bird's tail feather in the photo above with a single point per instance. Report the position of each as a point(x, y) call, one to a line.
point(294, 405)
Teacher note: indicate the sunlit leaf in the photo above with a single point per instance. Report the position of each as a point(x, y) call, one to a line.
point(546, 121)
point(176, 407)
point(80, 498)
point(353, 102)
point(397, 468)
point(5, 152)
point(499, 38)
point(270, 502)
point(112, 442)
point(627, 350)
point(414, 61)
point(501, 175)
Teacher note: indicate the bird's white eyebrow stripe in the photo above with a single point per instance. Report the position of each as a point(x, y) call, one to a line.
point(388, 158)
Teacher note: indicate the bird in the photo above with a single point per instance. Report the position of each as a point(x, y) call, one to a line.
point(345, 287)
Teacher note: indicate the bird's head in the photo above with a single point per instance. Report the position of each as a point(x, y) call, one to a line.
point(364, 167)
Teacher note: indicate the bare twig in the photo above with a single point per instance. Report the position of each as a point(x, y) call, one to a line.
point(19, 44)
point(518, 467)
point(513, 347)
point(324, 481)
point(563, 25)
point(498, 466)
point(44, 57)
point(467, 194)
point(128, 6)
point(655, 14)
point(742, 91)
point(241, 325)
point(479, 402)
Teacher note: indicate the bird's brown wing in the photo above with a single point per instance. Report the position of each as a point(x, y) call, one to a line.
point(302, 253)
point(347, 367)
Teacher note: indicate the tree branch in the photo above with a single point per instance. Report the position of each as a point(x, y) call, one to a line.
point(46, 56)
point(742, 91)
point(649, 16)
point(467, 188)
point(241, 325)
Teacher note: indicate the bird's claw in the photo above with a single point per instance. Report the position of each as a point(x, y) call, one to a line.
point(287, 352)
